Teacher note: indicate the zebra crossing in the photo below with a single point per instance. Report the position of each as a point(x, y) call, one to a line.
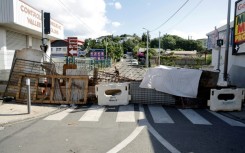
point(128, 114)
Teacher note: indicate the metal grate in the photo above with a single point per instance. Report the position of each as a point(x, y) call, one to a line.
point(149, 96)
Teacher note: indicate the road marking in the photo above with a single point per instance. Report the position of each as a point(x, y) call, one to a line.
point(164, 142)
point(126, 114)
point(194, 117)
point(59, 116)
point(126, 141)
point(159, 115)
point(228, 120)
point(142, 124)
point(93, 114)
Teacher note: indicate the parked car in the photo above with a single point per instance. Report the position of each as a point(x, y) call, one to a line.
point(132, 62)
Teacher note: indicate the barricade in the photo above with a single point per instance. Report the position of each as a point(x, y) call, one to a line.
point(112, 94)
point(226, 99)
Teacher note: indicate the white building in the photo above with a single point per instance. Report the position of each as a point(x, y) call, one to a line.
point(236, 63)
point(20, 27)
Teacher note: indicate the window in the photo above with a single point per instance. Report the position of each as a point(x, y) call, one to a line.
point(58, 49)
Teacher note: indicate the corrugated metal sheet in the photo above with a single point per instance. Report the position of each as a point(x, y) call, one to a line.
point(15, 41)
point(36, 42)
point(149, 96)
point(6, 11)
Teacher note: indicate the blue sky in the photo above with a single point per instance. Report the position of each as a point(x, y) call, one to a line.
point(94, 18)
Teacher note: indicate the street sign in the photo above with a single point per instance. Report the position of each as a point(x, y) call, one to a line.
point(72, 48)
point(72, 52)
point(82, 53)
point(219, 42)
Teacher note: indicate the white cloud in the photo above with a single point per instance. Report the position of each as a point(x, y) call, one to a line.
point(118, 5)
point(83, 18)
point(116, 24)
point(191, 35)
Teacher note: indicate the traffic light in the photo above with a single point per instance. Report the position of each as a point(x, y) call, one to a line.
point(46, 23)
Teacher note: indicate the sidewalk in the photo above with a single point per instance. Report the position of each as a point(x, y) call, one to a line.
point(11, 112)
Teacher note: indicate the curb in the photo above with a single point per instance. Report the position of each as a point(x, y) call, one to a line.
point(33, 117)
point(234, 117)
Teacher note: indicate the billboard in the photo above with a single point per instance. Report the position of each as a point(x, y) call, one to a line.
point(239, 28)
point(97, 54)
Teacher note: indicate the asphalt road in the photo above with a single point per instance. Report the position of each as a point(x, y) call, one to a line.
point(125, 129)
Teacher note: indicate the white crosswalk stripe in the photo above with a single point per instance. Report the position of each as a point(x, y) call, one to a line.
point(159, 115)
point(126, 114)
point(228, 120)
point(194, 117)
point(93, 114)
point(59, 116)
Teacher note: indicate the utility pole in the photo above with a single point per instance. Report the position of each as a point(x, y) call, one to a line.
point(147, 48)
point(43, 43)
point(227, 41)
point(147, 57)
point(106, 47)
point(159, 49)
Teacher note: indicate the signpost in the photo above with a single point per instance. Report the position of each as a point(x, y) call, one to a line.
point(72, 48)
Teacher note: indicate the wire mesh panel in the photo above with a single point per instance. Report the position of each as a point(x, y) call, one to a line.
point(149, 96)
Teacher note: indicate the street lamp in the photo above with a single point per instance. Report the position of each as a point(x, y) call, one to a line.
point(147, 56)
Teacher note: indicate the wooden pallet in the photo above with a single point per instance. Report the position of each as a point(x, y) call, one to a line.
point(53, 86)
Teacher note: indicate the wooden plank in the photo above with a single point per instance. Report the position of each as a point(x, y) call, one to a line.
point(35, 89)
point(85, 91)
point(52, 91)
point(19, 87)
point(68, 95)
point(54, 76)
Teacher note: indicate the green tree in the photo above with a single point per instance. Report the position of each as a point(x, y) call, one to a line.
point(168, 42)
point(128, 46)
point(154, 43)
point(144, 37)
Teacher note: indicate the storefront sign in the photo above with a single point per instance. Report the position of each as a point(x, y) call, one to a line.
point(97, 54)
point(29, 17)
point(239, 28)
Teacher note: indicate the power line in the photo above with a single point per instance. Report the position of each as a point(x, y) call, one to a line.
point(68, 10)
point(170, 16)
point(196, 6)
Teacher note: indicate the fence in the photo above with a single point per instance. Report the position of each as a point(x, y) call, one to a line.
point(182, 61)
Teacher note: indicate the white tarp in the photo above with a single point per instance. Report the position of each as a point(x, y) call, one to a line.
point(176, 81)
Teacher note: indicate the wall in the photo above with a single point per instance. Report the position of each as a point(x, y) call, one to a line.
point(236, 63)
point(2, 47)
point(6, 11)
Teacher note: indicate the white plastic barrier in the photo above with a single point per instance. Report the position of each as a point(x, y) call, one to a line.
point(113, 94)
point(226, 99)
